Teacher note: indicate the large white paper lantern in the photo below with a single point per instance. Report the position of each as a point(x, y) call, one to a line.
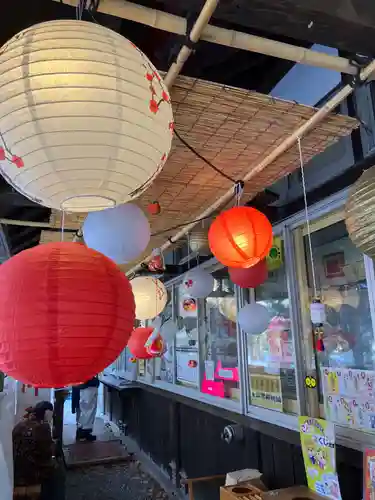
point(150, 297)
point(198, 283)
point(121, 233)
point(85, 119)
point(253, 318)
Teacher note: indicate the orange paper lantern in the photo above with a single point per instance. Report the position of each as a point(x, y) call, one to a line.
point(138, 339)
point(66, 313)
point(250, 277)
point(240, 237)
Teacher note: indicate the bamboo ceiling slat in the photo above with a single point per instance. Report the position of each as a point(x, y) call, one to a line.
point(235, 129)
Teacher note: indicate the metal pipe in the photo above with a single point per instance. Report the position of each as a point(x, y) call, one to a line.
point(229, 38)
point(33, 223)
point(278, 151)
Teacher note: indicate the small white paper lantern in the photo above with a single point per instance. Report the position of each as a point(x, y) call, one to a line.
point(253, 318)
point(168, 330)
point(198, 283)
point(198, 240)
point(121, 233)
point(85, 119)
point(150, 297)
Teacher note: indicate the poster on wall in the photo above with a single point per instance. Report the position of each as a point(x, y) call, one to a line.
point(188, 307)
point(348, 396)
point(265, 391)
point(369, 475)
point(319, 455)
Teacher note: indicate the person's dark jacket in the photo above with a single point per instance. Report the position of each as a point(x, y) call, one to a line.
point(94, 382)
point(32, 452)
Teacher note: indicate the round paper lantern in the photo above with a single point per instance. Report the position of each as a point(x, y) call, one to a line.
point(228, 308)
point(360, 213)
point(121, 233)
point(253, 318)
point(86, 121)
point(251, 277)
point(66, 314)
point(138, 339)
point(150, 297)
point(198, 283)
point(198, 240)
point(168, 330)
point(240, 237)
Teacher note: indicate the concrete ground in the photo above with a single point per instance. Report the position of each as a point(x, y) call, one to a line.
point(112, 482)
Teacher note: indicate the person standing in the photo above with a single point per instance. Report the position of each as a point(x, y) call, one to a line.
point(33, 447)
point(86, 410)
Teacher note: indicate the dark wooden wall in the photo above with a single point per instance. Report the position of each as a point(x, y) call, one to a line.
point(175, 430)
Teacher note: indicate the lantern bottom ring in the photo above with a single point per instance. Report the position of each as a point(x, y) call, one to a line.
point(87, 203)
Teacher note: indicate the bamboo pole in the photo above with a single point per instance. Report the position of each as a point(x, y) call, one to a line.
point(290, 141)
point(229, 38)
point(194, 36)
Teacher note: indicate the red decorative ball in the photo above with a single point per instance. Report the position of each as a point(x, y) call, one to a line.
point(138, 339)
point(66, 313)
point(251, 277)
point(154, 208)
point(240, 237)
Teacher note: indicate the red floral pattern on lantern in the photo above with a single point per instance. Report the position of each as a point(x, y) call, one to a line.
point(154, 107)
point(189, 283)
point(6, 154)
point(18, 162)
point(165, 96)
point(171, 126)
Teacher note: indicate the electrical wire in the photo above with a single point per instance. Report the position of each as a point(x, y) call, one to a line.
point(194, 151)
point(158, 233)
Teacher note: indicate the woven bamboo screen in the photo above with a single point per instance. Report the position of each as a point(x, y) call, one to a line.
point(233, 128)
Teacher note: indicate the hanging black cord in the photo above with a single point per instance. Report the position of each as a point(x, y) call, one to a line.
point(158, 233)
point(194, 151)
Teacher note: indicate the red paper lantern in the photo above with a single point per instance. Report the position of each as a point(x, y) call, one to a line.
point(251, 277)
point(66, 313)
point(240, 237)
point(138, 339)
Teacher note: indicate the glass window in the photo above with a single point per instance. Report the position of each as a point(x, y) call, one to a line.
point(272, 381)
point(164, 366)
point(219, 340)
point(346, 363)
point(186, 343)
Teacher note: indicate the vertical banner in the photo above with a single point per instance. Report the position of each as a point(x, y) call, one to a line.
point(319, 455)
point(369, 475)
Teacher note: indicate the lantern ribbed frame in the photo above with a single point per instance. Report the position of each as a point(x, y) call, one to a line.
point(66, 313)
point(240, 237)
point(85, 119)
point(360, 213)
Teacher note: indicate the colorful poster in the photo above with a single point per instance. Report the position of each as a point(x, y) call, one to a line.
point(265, 391)
point(349, 397)
point(318, 448)
point(369, 475)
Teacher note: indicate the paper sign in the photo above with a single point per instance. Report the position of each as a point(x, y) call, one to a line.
point(349, 397)
point(265, 391)
point(369, 475)
point(318, 448)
